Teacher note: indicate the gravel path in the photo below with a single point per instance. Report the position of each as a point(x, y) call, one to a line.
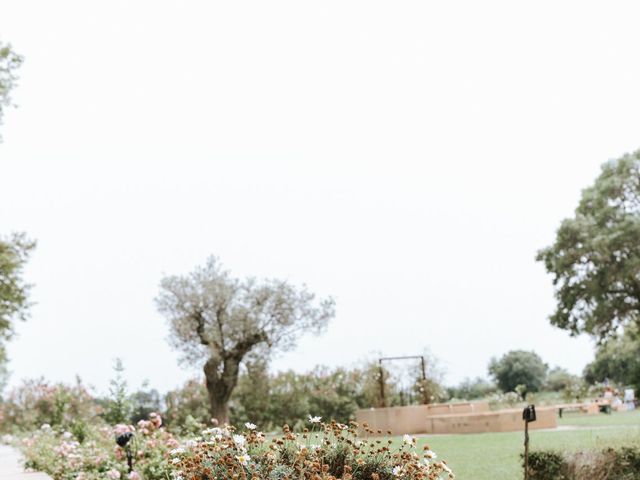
point(11, 466)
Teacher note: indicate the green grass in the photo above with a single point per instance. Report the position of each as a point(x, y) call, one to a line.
point(496, 456)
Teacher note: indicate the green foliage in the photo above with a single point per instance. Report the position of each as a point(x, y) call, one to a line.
point(546, 465)
point(289, 398)
point(595, 260)
point(36, 402)
point(369, 381)
point(472, 389)
point(251, 399)
point(63, 455)
point(560, 379)
point(621, 463)
point(118, 406)
point(519, 367)
point(577, 391)
point(9, 63)
point(187, 408)
point(144, 402)
point(428, 391)
point(271, 400)
point(617, 360)
point(14, 292)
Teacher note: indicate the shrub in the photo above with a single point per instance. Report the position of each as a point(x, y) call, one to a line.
point(546, 465)
point(575, 392)
point(118, 406)
point(144, 402)
point(609, 464)
point(472, 389)
point(187, 408)
point(560, 379)
point(37, 402)
point(505, 400)
point(64, 457)
point(333, 451)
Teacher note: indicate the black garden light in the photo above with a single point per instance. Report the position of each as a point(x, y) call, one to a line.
point(123, 441)
point(528, 415)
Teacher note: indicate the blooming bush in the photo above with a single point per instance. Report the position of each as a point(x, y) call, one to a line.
point(505, 400)
point(38, 402)
point(62, 456)
point(333, 451)
point(329, 451)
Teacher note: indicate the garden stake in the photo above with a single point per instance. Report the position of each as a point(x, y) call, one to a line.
point(528, 415)
point(123, 441)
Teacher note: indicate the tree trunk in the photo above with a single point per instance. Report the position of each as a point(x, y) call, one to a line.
point(221, 378)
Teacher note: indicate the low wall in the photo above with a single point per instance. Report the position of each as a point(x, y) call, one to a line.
point(398, 420)
point(411, 419)
point(457, 408)
point(498, 421)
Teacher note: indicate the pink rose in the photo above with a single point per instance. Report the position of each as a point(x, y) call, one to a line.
point(156, 419)
point(113, 474)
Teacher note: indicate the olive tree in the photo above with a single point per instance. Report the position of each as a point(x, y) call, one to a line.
point(217, 321)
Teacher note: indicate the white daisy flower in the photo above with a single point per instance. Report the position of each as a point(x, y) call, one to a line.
point(430, 454)
point(250, 426)
point(408, 439)
point(314, 419)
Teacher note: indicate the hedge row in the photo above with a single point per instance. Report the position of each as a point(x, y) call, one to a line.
point(611, 463)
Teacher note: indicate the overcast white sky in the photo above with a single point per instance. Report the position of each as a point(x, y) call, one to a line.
point(408, 158)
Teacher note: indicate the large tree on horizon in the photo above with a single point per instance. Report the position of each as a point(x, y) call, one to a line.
point(519, 367)
point(595, 259)
point(219, 321)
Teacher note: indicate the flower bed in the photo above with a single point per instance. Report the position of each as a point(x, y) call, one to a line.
point(330, 451)
point(63, 457)
point(326, 451)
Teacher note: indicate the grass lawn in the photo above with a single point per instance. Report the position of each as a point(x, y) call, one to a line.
point(496, 456)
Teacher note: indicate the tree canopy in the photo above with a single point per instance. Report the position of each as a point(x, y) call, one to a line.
point(595, 260)
point(617, 360)
point(218, 321)
point(14, 291)
point(9, 63)
point(519, 367)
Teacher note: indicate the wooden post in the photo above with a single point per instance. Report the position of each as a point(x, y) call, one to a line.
point(382, 399)
point(526, 450)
